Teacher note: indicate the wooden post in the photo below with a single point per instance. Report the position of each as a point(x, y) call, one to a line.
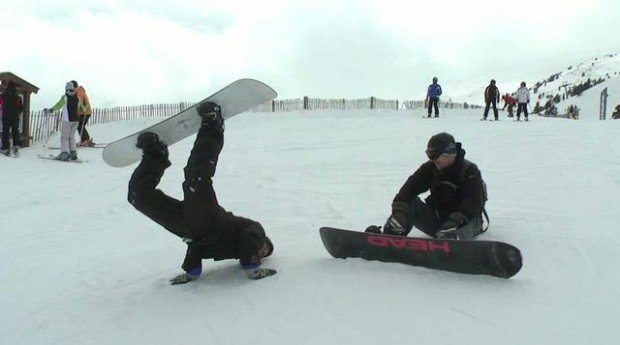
point(603, 105)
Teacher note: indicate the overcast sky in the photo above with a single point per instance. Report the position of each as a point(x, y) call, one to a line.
point(149, 51)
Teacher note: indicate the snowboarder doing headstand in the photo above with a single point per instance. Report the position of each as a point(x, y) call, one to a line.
point(523, 97)
point(454, 208)
point(432, 95)
point(208, 229)
point(491, 98)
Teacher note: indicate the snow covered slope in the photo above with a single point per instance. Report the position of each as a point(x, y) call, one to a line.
point(80, 266)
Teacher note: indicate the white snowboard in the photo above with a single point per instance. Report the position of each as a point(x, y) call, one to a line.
point(235, 98)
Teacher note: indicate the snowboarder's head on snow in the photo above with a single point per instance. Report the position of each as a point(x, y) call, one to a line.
point(442, 150)
point(208, 230)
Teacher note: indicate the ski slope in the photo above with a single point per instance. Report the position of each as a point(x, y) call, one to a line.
point(80, 266)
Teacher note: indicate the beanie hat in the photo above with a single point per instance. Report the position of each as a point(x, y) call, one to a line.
point(69, 86)
point(442, 144)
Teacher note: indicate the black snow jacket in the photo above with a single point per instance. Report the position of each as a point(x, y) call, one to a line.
point(458, 188)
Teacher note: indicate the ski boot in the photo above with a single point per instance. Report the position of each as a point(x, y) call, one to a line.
point(63, 156)
point(6, 152)
point(73, 156)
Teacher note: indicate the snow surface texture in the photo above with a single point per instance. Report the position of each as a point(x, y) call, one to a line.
point(81, 266)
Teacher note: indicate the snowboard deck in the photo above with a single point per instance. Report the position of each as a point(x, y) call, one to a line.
point(233, 99)
point(492, 258)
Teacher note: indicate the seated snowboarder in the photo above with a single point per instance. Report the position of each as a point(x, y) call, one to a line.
point(454, 208)
point(209, 231)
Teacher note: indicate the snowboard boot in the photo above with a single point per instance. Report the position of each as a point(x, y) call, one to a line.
point(152, 146)
point(211, 114)
point(73, 156)
point(63, 156)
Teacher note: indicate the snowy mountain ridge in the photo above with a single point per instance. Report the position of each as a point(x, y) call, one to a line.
point(564, 88)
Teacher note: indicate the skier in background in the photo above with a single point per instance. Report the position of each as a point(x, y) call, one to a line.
point(12, 106)
point(491, 97)
point(69, 103)
point(209, 231)
point(510, 102)
point(84, 113)
point(432, 96)
point(455, 205)
point(523, 97)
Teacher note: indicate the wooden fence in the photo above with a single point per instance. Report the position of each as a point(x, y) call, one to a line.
point(43, 125)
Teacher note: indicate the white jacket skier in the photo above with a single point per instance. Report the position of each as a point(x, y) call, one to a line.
point(523, 94)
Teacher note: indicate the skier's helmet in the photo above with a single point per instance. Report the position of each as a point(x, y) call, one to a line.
point(522, 84)
point(434, 79)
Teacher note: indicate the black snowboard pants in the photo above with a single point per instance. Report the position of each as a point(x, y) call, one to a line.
point(424, 218)
point(199, 215)
point(433, 102)
point(82, 127)
point(520, 108)
point(10, 126)
point(488, 105)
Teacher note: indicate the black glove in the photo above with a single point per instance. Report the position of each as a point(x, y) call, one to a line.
point(374, 229)
point(450, 226)
point(259, 273)
point(186, 277)
point(182, 278)
point(398, 222)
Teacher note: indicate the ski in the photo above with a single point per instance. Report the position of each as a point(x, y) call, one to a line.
point(54, 158)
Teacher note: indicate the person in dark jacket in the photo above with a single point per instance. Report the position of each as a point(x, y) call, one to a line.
point(455, 205)
point(432, 96)
point(491, 98)
point(208, 229)
point(12, 106)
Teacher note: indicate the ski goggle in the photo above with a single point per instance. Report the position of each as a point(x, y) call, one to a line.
point(433, 154)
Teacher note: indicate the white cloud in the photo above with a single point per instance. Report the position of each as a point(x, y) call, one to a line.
point(132, 52)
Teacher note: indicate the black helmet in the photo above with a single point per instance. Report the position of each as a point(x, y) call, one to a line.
point(434, 78)
point(522, 84)
point(492, 81)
